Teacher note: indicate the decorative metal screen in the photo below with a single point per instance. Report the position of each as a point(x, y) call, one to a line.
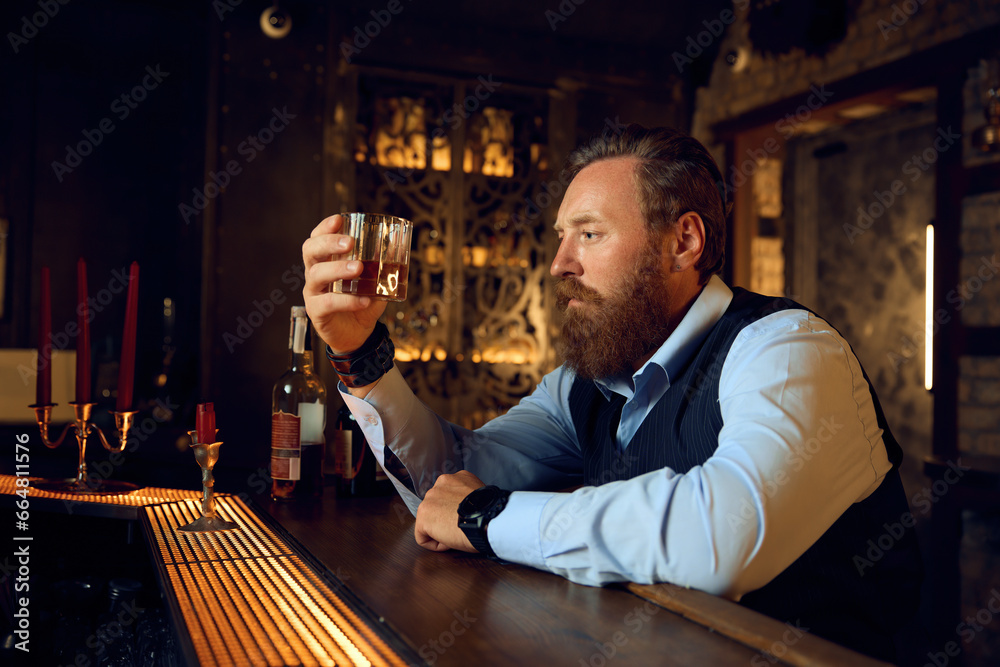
point(468, 164)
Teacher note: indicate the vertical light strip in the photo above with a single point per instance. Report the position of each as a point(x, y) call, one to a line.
point(929, 313)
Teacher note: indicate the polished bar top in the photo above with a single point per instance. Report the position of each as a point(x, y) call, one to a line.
point(460, 609)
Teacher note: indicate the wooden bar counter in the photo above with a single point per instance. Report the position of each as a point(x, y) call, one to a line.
point(284, 587)
point(459, 609)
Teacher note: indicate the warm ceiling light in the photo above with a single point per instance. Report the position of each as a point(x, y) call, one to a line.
point(811, 126)
point(918, 95)
point(859, 111)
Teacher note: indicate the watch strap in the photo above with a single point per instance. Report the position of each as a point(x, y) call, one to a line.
point(475, 528)
point(369, 362)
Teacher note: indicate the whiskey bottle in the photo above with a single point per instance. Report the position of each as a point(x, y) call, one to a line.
point(298, 420)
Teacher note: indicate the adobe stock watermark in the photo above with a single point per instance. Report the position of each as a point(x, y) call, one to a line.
point(30, 25)
point(795, 460)
point(894, 532)
point(61, 340)
point(223, 7)
point(958, 298)
point(773, 654)
point(249, 148)
point(714, 29)
point(108, 633)
point(434, 648)
point(122, 107)
point(362, 38)
point(635, 621)
point(707, 376)
point(454, 116)
point(562, 13)
point(548, 193)
point(293, 278)
point(901, 13)
point(458, 458)
point(141, 430)
point(914, 168)
point(787, 127)
point(967, 630)
point(563, 519)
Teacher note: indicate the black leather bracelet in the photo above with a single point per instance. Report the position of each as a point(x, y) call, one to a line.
point(369, 362)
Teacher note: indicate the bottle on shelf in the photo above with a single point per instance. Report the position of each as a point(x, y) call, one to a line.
point(355, 472)
point(298, 420)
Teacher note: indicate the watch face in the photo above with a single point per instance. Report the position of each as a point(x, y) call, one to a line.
point(479, 500)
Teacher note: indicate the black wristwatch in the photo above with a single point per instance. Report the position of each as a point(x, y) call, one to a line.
point(476, 511)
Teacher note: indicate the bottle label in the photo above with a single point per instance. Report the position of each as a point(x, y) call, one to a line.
point(343, 454)
point(286, 448)
point(313, 422)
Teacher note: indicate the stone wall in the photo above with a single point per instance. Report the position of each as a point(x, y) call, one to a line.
point(881, 32)
point(870, 282)
point(873, 288)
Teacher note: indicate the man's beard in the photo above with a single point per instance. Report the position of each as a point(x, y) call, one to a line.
point(605, 336)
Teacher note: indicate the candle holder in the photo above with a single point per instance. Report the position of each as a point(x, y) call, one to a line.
point(84, 427)
point(206, 454)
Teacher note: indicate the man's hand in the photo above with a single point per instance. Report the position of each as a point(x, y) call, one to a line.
point(344, 321)
point(437, 516)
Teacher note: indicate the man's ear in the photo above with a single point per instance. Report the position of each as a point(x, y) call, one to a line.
point(686, 241)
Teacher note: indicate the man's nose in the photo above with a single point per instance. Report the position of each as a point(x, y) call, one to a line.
point(564, 264)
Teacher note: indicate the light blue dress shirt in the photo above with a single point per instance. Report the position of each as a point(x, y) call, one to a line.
point(799, 444)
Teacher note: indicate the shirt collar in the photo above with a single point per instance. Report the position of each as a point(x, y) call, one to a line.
point(671, 357)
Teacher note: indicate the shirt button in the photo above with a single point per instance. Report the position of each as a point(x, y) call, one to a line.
point(371, 419)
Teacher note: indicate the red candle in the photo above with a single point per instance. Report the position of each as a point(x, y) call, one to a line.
point(205, 423)
point(83, 335)
point(126, 367)
point(43, 384)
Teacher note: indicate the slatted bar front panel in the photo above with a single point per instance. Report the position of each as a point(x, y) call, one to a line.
point(138, 498)
point(248, 599)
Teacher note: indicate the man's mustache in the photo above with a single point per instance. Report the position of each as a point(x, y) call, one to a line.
point(570, 288)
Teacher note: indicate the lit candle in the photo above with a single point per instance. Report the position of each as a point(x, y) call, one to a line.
point(83, 335)
point(43, 384)
point(205, 423)
point(126, 367)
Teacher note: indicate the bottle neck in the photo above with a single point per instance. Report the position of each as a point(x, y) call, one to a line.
point(302, 362)
point(299, 346)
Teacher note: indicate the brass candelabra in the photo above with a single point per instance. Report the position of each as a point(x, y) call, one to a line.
point(83, 426)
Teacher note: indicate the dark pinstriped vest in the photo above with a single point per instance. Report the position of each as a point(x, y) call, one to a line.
point(823, 590)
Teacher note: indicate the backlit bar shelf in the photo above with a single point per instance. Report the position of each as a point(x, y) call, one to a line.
point(247, 597)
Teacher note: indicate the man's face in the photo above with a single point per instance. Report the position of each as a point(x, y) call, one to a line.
point(612, 282)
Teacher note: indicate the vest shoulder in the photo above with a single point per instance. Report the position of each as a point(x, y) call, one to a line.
point(746, 304)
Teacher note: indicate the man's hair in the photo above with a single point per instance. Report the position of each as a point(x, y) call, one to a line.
point(675, 174)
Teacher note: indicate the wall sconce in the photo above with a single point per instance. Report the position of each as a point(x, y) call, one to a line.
point(275, 22)
point(987, 138)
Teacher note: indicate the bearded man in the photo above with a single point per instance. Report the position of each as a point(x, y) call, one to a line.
point(724, 440)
